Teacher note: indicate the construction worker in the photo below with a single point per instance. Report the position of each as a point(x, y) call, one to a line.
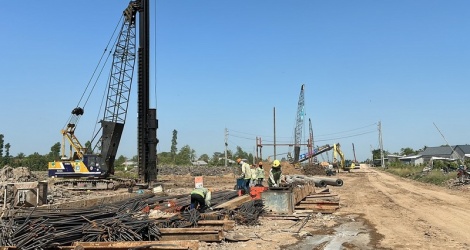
point(260, 174)
point(275, 174)
point(201, 197)
point(254, 176)
point(246, 173)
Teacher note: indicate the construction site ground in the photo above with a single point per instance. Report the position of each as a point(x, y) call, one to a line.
point(377, 211)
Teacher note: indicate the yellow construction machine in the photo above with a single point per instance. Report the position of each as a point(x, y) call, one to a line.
point(343, 164)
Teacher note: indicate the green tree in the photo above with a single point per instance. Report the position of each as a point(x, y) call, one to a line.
point(407, 151)
point(217, 159)
point(241, 154)
point(204, 157)
point(173, 148)
point(36, 162)
point(18, 160)
point(89, 150)
point(165, 158)
point(7, 157)
point(119, 162)
point(376, 154)
point(55, 152)
point(185, 156)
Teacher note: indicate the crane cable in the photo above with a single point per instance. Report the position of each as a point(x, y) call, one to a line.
point(94, 72)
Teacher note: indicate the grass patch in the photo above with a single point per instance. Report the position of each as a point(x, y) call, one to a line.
point(435, 176)
point(126, 174)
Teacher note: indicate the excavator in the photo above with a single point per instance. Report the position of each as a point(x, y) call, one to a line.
point(343, 164)
point(85, 169)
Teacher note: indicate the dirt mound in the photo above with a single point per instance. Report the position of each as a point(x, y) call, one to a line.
point(314, 169)
point(20, 174)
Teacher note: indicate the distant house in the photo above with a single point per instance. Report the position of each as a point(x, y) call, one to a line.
point(199, 163)
point(394, 158)
point(130, 164)
point(412, 160)
point(442, 151)
point(463, 151)
point(229, 161)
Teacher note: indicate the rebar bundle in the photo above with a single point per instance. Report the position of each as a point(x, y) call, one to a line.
point(42, 228)
point(248, 213)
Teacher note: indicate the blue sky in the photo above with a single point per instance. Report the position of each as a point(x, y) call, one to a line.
point(227, 64)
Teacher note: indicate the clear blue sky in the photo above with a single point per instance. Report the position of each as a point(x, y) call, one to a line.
point(227, 64)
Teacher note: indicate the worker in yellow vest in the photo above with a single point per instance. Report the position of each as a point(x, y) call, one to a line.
point(201, 199)
point(246, 173)
point(260, 174)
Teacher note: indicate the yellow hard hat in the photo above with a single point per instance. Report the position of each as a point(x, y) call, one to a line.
point(276, 163)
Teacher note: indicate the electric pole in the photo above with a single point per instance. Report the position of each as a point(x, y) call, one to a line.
point(226, 145)
point(382, 161)
point(274, 114)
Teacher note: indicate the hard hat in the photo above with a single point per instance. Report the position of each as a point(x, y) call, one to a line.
point(260, 163)
point(276, 163)
point(239, 160)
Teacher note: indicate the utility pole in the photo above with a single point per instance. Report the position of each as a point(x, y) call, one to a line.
point(274, 115)
point(382, 161)
point(451, 148)
point(226, 145)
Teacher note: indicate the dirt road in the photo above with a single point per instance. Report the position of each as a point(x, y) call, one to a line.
point(406, 214)
point(378, 211)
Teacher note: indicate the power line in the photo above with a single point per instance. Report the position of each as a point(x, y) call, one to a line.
point(374, 124)
point(349, 136)
point(230, 130)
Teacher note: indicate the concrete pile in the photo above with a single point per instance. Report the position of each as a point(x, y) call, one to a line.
point(318, 181)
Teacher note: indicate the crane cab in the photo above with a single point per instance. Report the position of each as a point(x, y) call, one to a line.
point(88, 166)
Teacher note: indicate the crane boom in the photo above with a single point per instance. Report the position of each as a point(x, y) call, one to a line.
point(299, 121)
point(117, 101)
point(119, 88)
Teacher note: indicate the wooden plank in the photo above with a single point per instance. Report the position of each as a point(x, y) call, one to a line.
point(315, 206)
point(234, 203)
point(226, 225)
point(161, 245)
point(202, 234)
point(323, 190)
point(320, 202)
point(321, 195)
point(298, 216)
point(323, 211)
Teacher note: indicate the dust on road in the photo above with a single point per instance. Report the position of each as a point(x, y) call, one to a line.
point(408, 214)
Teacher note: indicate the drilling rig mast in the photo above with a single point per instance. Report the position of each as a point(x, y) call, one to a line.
point(298, 127)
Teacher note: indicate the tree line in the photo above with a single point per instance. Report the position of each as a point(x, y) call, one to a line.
point(175, 157)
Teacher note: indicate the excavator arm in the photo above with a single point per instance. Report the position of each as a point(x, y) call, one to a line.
point(337, 152)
